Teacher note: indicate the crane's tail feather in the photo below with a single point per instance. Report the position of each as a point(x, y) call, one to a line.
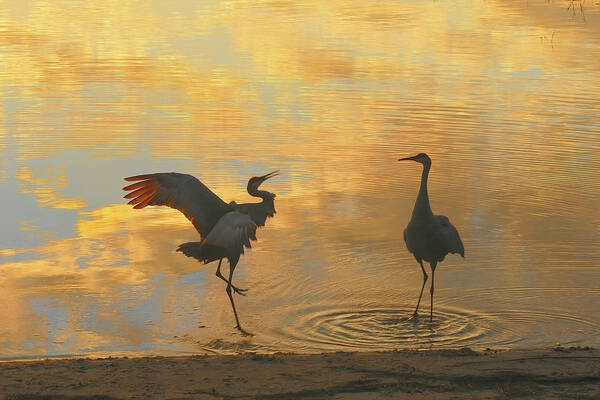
point(190, 249)
point(201, 252)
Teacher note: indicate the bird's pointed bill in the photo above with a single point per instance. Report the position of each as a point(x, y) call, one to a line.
point(407, 158)
point(269, 175)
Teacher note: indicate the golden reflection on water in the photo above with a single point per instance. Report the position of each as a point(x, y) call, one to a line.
point(502, 95)
point(44, 187)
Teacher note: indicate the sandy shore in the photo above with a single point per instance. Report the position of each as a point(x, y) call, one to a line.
point(443, 374)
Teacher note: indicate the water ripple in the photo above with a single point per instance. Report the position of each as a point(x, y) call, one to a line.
point(382, 328)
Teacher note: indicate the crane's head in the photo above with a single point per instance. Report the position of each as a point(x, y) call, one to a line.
point(256, 181)
point(420, 158)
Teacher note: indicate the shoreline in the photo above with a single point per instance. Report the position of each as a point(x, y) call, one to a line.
point(421, 374)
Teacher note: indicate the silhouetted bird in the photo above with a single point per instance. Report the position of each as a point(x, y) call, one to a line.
point(429, 237)
point(225, 229)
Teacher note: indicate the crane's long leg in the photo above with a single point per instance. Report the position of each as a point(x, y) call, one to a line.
point(420, 294)
point(433, 265)
point(228, 290)
point(235, 289)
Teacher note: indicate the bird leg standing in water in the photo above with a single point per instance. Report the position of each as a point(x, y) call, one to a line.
point(429, 237)
point(422, 287)
point(228, 290)
point(433, 265)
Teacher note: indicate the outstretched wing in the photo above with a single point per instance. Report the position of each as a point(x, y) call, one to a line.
point(448, 236)
point(180, 191)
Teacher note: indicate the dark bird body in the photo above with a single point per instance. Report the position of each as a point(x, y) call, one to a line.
point(429, 237)
point(225, 229)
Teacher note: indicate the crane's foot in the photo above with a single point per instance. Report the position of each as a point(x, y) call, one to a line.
point(242, 331)
point(239, 291)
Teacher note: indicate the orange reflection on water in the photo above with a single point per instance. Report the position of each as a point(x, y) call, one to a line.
point(45, 185)
point(501, 94)
point(91, 283)
point(204, 105)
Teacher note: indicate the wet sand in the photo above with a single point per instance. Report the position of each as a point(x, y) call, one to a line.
point(442, 374)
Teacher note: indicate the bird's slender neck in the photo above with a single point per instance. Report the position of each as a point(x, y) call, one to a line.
point(422, 204)
point(263, 194)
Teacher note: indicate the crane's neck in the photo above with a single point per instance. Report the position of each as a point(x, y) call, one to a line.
point(422, 204)
point(263, 194)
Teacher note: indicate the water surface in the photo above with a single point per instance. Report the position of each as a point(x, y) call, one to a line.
point(503, 95)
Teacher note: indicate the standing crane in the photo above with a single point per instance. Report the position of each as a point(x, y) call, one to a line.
point(225, 229)
point(429, 237)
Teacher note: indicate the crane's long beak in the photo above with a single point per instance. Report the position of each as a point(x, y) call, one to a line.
point(269, 175)
point(407, 158)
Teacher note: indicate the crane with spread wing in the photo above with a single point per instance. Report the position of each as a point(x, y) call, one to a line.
point(225, 228)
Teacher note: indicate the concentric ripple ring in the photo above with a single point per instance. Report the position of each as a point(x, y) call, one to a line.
point(382, 328)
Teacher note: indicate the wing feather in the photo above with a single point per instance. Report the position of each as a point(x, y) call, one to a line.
point(141, 177)
point(448, 236)
point(141, 197)
point(259, 212)
point(137, 193)
point(143, 202)
point(232, 232)
point(180, 191)
point(136, 185)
